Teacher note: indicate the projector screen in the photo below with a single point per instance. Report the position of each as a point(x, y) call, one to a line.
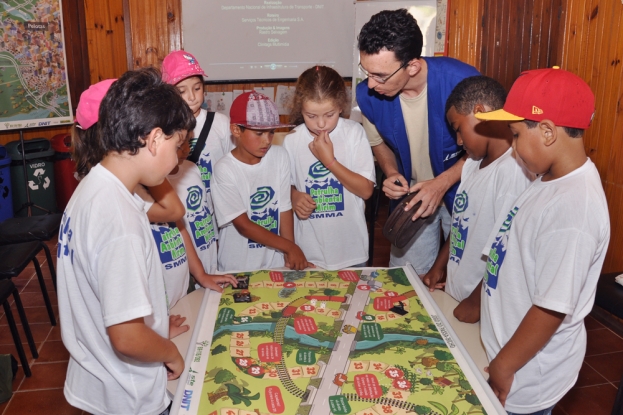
point(268, 39)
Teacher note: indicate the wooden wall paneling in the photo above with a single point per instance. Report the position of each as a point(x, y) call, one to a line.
point(106, 39)
point(174, 24)
point(149, 32)
point(76, 48)
point(465, 31)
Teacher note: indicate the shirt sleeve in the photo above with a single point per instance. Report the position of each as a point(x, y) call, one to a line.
point(228, 201)
point(123, 280)
point(144, 194)
point(374, 138)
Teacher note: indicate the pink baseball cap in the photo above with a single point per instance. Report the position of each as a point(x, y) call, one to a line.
point(87, 112)
point(255, 111)
point(179, 65)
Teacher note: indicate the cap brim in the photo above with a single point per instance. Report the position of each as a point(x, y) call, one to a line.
point(498, 115)
point(264, 127)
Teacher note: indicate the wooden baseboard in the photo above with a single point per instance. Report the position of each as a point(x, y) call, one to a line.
point(607, 319)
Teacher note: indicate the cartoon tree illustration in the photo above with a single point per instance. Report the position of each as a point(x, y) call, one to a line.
point(398, 277)
point(238, 395)
point(330, 292)
point(225, 301)
point(219, 349)
point(221, 376)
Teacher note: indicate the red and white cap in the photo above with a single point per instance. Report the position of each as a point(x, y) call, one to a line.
point(88, 109)
point(547, 94)
point(179, 65)
point(255, 111)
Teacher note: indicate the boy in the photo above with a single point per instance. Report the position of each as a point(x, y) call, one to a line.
point(491, 180)
point(252, 193)
point(111, 293)
point(544, 262)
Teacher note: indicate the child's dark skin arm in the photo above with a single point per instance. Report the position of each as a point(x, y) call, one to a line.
point(294, 257)
point(468, 310)
point(167, 205)
point(137, 341)
point(213, 282)
point(322, 148)
point(436, 276)
point(535, 330)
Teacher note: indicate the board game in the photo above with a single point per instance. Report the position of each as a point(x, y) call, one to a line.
point(359, 341)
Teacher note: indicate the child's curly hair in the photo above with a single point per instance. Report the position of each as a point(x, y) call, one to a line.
point(318, 83)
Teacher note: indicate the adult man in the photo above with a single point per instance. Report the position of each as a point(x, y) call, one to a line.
point(403, 103)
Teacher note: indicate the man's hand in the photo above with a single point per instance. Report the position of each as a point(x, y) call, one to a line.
point(500, 380)
point(431, 193)
point(435, 278)
point(175, 367)
point(392, 189)
point(295, 259)
point(302, 203)
point(216, 282)
point(322, 148)
point(175, 325)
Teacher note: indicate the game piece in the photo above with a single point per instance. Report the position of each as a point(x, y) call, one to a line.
point(243, 282)
point(242, 297)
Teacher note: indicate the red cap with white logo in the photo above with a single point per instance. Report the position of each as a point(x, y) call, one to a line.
point(547, 94)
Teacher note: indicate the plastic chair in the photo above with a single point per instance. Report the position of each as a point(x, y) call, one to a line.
point(6, 289)
point(16, 257)
point(34, 228)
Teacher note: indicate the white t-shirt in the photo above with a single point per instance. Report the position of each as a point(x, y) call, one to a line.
point(109, 273)
point(339, 214)
point(483, 195)
point(199, 218)
point(548, 252)
point(262, 191)
point(172, 252)
point(218, 143)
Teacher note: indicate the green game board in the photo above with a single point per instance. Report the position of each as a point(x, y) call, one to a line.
point(366, 341)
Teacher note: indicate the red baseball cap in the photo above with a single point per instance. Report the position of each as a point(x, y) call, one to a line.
point(87, 112)
point(547, 94)
point(255, 111)
point(179, 65)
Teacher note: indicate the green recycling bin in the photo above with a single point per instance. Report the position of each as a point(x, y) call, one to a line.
point(38, 154)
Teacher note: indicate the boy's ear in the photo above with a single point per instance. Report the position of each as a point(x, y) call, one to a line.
point(478, 108)
point(548, 132)
point(235, 130)
point(414, 67)
point(153, 140)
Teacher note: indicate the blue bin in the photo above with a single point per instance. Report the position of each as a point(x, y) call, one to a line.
point(6, 198)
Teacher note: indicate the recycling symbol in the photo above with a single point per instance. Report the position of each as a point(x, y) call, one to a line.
point(41, 180)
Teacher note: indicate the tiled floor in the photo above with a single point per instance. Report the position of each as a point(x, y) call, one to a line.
point(593, 394)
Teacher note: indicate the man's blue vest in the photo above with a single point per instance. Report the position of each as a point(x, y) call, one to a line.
point(386, 114)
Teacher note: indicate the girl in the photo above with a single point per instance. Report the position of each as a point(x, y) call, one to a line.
point(181, 69)
point(332, 172)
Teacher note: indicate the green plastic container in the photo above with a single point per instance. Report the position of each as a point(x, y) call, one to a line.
point(40, 170)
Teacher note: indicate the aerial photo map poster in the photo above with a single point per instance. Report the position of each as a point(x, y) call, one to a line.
point(33, 66)
point(360, 342)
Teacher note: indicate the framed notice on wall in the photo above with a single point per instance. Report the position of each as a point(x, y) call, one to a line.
point(33, 67)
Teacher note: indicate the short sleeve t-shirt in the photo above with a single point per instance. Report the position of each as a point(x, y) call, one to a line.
point(262, 191)
point(484, 195)
point(547, 251)
point(339, 214)
point(109, 273)
point(218, 143)
point(199, 221)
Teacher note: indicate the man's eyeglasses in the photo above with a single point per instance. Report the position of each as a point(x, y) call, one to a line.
point(378, 78)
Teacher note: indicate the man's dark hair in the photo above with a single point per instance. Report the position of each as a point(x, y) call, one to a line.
point(393, 30)
point(137, 103)
point(571, 132)
point(476, 90)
